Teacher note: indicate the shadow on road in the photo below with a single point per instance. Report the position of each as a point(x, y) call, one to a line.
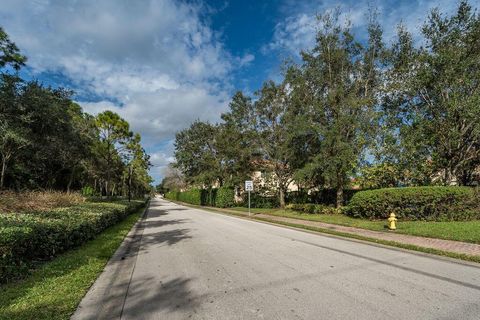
point(161, 223)
point(148, 297)
point(169, 237)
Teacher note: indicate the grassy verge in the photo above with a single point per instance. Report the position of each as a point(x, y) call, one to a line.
point(54, 290)
point(466, 231)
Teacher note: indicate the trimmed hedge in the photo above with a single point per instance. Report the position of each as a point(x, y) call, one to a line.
point(326, 197)
point(193, 196)
point(209, 197)
point(312, 208)
point(417, 203)
point(222, 197)
point(35, 236)
point(258, 201)
point(172, 195)
point(225, 197)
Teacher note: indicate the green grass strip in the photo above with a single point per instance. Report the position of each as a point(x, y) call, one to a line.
point(54, 290)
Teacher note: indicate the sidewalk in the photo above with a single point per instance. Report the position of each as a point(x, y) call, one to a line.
point(470, 249)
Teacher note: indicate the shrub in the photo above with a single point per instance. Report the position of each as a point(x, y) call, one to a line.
point(34, 236)
point(324, 196)
point(87, 191)
point(172, 195)
point(417, 203)
point(258, 201)
point(209, 197)
point(222, 197)
point(329, 196)
point(296, 197)
point(192, 196)
point(225, 197)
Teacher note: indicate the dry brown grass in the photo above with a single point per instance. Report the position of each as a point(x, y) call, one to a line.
point(37, 200)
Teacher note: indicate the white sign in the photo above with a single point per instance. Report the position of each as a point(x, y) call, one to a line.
point(248, 185)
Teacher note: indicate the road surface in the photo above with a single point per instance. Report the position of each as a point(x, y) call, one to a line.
point(185, 263)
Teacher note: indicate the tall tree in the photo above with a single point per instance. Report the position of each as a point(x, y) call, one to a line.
point(13, 137)
point(436, 104)
point(114, 133)
point(197, 154)
point(236, 140)
point(338, 83)
point(273, 125)
point(137, 163)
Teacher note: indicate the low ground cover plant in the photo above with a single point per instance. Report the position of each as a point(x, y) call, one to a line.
point(29, 237)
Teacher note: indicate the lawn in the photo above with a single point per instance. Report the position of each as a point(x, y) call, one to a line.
point(466, 231)
point(54, 290)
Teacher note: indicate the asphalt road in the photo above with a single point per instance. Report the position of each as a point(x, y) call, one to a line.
point(185, 263)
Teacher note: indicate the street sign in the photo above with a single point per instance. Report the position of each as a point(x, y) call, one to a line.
point(249, 187)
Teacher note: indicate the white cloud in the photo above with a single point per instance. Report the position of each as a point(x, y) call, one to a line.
point(293, 34)
point(246, 59)
point(161, 159)
point(158, 115)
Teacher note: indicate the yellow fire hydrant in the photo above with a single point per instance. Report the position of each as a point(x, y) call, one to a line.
point(392, 222)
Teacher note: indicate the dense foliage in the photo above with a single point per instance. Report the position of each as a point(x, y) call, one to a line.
point(326, 197)
point(172, 195)
point(32, 236)
point(48, 142)
point(222, 197)
point(353, 112)
point(417, 203)
point(192, 196)
point(261, 201)
point(225, 197)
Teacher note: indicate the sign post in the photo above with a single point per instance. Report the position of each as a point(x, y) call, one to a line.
point(248, 188)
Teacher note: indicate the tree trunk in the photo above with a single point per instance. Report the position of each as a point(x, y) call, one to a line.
point(129, 183)
point(4, 168)
point(70, 181)
point(113, 189)
point(339, 196)
point(282, 197)
point(339, 191)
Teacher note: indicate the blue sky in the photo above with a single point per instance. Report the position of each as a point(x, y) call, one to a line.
point(162, 64)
